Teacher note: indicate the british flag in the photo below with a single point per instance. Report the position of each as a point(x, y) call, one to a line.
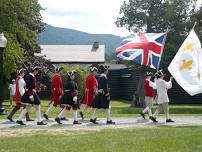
point(142, 48)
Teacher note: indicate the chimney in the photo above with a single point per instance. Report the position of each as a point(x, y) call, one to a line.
point(95, 46)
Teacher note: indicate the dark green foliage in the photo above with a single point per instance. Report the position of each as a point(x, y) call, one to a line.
point(21, 23)
point(158, 15)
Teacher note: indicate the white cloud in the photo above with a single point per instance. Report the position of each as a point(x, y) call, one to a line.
point(93, 16)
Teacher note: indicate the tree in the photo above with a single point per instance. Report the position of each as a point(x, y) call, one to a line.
point(21, 22)
point(156, 16)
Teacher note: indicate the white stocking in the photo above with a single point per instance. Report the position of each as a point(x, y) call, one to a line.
point(38, 113)
point(24, 111)
point(75, 115)
point(50, 108)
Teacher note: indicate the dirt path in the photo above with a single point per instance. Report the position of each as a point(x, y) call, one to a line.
point(12, 129)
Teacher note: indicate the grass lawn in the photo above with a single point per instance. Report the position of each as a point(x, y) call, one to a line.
point(157, 139)
point(148, 139)
point(120, 109)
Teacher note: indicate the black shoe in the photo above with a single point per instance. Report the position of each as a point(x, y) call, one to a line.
point(169, 120)
point(153, 119)
point(142, 114)
point(76, 123)
point(45, 116)
point(64, 119)
point(41, 123)
point(10, 119)
point(110, 122)
point(93, 121)
point(58, 120)
point(82, 116)
point(20, 122)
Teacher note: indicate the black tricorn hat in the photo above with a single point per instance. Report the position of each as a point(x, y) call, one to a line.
point(159, 74)
point(21, 71)
point(58, 69)
point(92, 69)
point(71, 73)
point(149, 74)
point(103, 68)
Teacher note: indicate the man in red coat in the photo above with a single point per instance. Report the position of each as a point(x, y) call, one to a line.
point(90, 90)
point(20, 90)
point(149, 93)
point(57, 91)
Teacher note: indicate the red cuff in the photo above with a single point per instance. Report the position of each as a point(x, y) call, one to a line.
point(74, 94)
point(31, 93)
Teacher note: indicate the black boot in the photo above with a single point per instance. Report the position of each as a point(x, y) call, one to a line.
point(169, 120)
point(13, 111)
point(41, 123)
point(45, 116)
point(27, 117)
point(142, 114)
point(76, 123)
point(82, 116)
point(153, 119)
point(64, 119)
point(57, 119)
point(20, 122)
point(93, 121)
point(110, 122)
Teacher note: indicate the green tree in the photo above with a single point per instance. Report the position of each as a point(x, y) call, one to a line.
point(156, 16)
point(21, 23)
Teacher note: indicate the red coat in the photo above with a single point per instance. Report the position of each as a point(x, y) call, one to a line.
point(148, 90)
point(56, 85)
point(91, 86)
point(17, 93)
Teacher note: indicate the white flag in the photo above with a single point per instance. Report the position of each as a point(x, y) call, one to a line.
point(186, 67)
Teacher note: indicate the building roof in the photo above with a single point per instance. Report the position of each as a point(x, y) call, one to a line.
point(117, 66)
point(73, 53)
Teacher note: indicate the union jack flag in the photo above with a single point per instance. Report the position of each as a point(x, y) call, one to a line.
point(142, 48)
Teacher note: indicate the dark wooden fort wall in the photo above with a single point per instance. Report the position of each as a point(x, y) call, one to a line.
point(123, 84)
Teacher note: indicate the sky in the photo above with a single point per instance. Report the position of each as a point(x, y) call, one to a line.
point(92, 16)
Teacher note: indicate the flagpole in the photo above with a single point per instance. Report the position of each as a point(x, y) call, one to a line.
point(22, 62)
point(193, 26)
point(162, 49)
point(198, 59)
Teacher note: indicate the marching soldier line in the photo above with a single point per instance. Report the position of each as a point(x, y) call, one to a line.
point(96, 96)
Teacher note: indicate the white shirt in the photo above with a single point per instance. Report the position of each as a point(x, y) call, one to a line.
point(21, 86)
point(162, 86)
point(12, 88)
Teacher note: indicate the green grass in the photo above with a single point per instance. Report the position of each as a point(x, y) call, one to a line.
point(148, 139)
point(157, 139)
point(120, 109)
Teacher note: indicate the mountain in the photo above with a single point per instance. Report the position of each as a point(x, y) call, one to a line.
point(63, 36)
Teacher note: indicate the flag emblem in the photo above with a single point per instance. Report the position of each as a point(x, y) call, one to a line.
point(186, 67)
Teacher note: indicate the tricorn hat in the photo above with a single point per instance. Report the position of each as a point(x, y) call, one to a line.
point(58, 69)
point(149, 74)
point(103, 68)
point(159, 74)
point(20, 71)
point(92, 69)
point(71, 73)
